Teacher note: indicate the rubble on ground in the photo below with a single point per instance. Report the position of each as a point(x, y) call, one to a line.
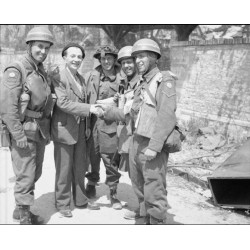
point(202, 152)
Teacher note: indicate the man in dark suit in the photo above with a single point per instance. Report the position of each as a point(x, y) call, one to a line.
point(68, 133)
point(102, 84)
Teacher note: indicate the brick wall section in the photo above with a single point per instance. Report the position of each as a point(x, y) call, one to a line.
point(214, 80)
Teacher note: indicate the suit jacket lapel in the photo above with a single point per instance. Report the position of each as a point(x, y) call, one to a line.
point(72, 84)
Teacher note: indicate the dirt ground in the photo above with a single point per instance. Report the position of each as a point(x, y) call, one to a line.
point(186, 205)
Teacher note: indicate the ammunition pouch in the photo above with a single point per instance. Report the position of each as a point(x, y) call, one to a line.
point(173, 142)
point(146, 125)
point(4, 135)
point(31, 129)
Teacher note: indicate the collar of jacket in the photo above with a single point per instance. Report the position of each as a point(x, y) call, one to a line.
point(117, 69)
point(110, 78)
point(134, 81)
point(150, 74)
point(30, 64)
point(96, 76)
point(72, 83)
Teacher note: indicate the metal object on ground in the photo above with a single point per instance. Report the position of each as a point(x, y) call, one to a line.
point(230, 182)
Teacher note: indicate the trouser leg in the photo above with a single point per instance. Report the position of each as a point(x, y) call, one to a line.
point(95, 159)
point(124, 163)
point(39, 158)
point(136, 174)
point(24, 166)
point(111, 163)
point(80, 166)
point(63, 155)
point(155, 193)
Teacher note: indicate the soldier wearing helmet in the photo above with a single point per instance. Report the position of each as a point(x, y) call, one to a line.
point(128, 84)
point(102, 85)
point(153, 114)
point(25, 107)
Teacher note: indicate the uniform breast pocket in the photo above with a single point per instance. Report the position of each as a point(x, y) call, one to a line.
point(108, 140)
point(108, 127)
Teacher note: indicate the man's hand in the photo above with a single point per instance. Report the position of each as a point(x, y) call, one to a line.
point(150, 154)
point(116, 97)
point(22, 143)
point(105, 108)
point(96, 110)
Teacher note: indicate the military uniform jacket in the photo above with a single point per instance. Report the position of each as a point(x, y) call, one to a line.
point(124, 130)
point(70, 108)
point(103, 131)
point(36, 85)
point(165, 106)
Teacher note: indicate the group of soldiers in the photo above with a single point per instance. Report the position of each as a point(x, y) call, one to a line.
point(121, 112)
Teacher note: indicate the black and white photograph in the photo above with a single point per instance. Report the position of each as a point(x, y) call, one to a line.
point(125, 124)
point(128, 125)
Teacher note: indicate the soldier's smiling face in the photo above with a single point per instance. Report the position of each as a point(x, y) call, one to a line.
point(73, 58)
point(128, 66)
point(40, 50)
point(144, 62)
point(107, 62)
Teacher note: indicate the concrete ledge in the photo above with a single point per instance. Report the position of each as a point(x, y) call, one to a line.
point(189, 177)
point(216, 41)
point(217, 118)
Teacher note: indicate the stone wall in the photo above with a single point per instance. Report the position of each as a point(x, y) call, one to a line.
point(214, 80)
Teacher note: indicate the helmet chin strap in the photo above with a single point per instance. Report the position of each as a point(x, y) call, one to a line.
point(30, 54)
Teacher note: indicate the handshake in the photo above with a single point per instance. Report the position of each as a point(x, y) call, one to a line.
point(99, 109)
point(103, 106)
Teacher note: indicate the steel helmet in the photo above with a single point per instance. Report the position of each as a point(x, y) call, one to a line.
point(40, 33)
point(146, 44)
point(104, 50)
point(125, 52)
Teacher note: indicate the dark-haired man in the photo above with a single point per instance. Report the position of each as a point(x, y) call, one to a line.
point(68, 132)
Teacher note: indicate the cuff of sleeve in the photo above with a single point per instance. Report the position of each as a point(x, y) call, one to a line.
point(87, 112)
point(155, 145)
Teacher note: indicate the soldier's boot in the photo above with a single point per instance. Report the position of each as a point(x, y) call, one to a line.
point(155, 221)
point(90, 191)
point(25, 217)
point(16, 215)
point(132, 215)
point(147, 219)
point(35, 219)
point(115, 203)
